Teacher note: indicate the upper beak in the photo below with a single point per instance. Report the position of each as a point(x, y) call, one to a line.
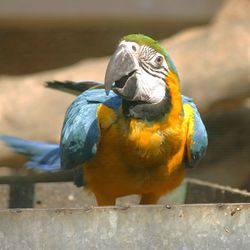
point(121, 64)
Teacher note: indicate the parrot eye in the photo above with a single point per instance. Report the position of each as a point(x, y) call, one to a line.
point(134, 48)
point(159, 60)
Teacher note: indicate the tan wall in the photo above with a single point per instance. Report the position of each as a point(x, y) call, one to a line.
point(200, 10)
point(39, 35)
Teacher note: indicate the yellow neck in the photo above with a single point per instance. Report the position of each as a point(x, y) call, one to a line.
point(174, 91)
point(149, 137)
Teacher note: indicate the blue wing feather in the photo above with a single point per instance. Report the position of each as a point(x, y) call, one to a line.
point(80, 133)
point(42, 156)
point(197, 144)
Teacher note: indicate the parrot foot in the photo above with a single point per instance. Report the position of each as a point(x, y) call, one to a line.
point(149, 198)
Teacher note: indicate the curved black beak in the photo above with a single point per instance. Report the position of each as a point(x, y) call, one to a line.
point(121, 65)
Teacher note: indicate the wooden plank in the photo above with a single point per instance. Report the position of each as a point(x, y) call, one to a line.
point(207, 226)
point(21, 195)
point(37, 177)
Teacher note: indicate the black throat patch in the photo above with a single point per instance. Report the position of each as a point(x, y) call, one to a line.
point(147, 111)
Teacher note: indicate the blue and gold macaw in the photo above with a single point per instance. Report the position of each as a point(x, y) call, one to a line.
point(136, 137)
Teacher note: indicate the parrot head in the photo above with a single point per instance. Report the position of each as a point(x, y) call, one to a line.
point(138, 72)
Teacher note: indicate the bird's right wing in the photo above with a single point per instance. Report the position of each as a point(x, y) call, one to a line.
point(81, 132)
point(75, 88)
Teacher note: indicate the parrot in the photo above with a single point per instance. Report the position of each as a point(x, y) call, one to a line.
point(133, 134)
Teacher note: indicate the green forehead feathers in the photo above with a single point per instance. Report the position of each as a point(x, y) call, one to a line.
point(148, 41)
point(145, 40)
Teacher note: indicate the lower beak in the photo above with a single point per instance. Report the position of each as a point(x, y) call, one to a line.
point(121, 64)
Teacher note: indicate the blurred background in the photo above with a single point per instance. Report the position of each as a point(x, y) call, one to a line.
point(51, 34)
point(209, 41)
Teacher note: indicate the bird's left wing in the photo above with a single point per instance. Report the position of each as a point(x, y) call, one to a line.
point(81, 133)
point(197, 140)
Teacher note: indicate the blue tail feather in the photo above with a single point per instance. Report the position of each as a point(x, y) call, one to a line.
point(42, 156)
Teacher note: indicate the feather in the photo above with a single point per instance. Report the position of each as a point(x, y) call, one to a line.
point(197, 139)
point(75, 88)
point(42, 156)
point(80, 133)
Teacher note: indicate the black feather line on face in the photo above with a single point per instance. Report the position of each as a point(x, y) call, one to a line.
point(147, 70)
point(147, 111)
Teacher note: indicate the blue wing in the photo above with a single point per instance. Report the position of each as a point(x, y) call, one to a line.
point(197, 140)
point(80, 133)
point(79, 138)
point(42, 156)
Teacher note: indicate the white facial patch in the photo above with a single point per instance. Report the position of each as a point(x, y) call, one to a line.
point(149, 88)
point(150, 72)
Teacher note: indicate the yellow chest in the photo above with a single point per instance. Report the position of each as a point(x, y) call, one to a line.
point(135, 157)
point(148, 144)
